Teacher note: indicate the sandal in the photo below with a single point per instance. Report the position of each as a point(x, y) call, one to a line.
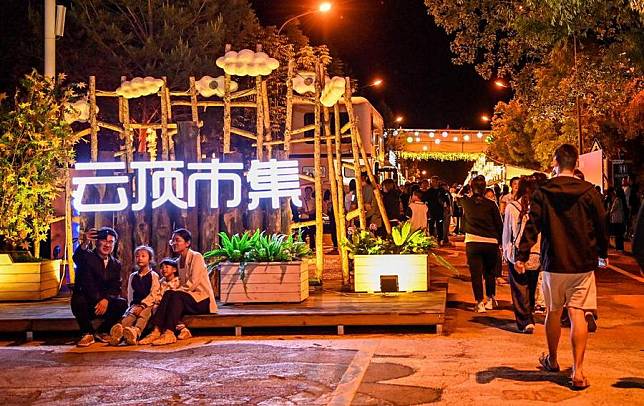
point(544, 360)
point(579, 385)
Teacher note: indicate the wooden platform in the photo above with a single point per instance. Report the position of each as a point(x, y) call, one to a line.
point(326, 308)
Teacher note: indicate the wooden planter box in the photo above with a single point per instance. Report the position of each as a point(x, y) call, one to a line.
point(412, 272)
point(28, 280)
point(264, 282)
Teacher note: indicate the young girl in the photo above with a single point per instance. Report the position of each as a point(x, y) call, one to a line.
point(418, 209)
point(142, 293)
point(170, 281)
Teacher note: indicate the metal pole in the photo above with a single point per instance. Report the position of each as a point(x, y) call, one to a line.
point(50, 38)
point(580, 138)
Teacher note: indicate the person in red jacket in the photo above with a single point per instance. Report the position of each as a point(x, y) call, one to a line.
point(569, 214)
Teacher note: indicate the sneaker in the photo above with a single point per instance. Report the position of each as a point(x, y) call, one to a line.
point(131, 334)
point(480, 307)
point(86, 341)
point(592, 323)
point(116, 334)
point(529, 329)
point(166, 338)
point(102, 337)
point(491, 303)
point(154, 335)
point(184, 334)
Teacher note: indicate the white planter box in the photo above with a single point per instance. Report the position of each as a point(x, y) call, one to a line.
point(28, 280)
point(264, 282)
point(412, 272)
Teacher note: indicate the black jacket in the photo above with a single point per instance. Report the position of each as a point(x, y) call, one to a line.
point(638, 238)
point(571, 218)
point(481, 217)
point(93, 279)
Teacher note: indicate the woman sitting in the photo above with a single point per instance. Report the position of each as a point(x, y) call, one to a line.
point(194, 296)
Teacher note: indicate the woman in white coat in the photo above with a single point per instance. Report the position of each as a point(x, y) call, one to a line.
point(522, 285)
point(194, 296)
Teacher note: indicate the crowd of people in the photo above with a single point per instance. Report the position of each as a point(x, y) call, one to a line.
point(154, 304)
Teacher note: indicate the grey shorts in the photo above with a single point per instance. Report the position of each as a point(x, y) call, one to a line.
point(575, 290)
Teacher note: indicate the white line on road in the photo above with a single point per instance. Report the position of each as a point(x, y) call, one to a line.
point(352, 378)
point(623, 272)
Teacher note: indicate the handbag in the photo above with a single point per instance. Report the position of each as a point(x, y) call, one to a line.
point(534, 259)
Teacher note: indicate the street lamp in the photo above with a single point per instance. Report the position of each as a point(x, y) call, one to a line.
point(399, 119)
point(485, 118)
point(323, 8)
point(375, 83)
point(500, 83)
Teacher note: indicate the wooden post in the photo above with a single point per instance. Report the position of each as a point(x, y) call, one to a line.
point(187, 138)
point(260, 118)
point(355, 134)
point(340, 220)
point(227, 101)
point(69, 243)
point(319, 224)
point(356, 161)
point(289, 107)
point(165, 138)
point(168, 105)
point(268, 131)
point(126, 134)
point(93, 120)
point(194, 112)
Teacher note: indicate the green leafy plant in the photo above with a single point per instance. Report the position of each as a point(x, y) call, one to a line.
point(257, 247)
point(402, 241)
point(36, 147)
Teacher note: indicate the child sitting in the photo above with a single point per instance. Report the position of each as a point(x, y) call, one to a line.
point(170, 281)
point(418, 209)
point(142, 293)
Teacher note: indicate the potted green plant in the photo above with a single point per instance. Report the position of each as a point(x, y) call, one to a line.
point(403, 254)
point(261, 268)
point(36, 147)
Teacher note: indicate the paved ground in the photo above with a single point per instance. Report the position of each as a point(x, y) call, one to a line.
point(480, 360)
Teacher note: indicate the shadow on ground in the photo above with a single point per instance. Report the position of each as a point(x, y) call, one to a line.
point(629, 383)
point(513, 374)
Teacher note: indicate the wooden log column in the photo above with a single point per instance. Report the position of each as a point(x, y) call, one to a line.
point(289, 107)
point(339, 179)
point(319, 223)
point(93, 122)
point(356, 162)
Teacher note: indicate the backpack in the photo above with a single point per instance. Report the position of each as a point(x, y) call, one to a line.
point(534, 259)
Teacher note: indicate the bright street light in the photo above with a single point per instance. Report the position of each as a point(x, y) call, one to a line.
point(375, 83)
point(399, 119)
point(500, 83)
point(485, 118)
point(323, 8)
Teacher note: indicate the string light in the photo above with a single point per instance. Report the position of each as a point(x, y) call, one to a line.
point(432, 134)
point(437, 141)
point(479, 134)
point(466, 138)
point(444, 134)
point(410, 139)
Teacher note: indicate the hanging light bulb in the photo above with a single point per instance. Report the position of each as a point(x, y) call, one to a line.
point(410, 139)
point(432, 134)
point(455, 139)
point(444, 134)
point(425, 148)
point(479, 134)
point(437, 141)
point(466, 138)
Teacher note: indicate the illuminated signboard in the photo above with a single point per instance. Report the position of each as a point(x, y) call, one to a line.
point(267, 180)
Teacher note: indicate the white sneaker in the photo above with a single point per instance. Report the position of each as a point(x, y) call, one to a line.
point(154, 335)
point(479, 307)
point(86, 340)
point(529, 329)
point(116, 334)
point(184, 334)
point(131, 334)
point(166, 338)
point(491, 303)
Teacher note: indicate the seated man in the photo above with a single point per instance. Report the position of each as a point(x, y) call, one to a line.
point(97, 290)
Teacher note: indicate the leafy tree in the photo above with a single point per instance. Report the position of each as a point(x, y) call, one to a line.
point(36, 145)
point(557, 53)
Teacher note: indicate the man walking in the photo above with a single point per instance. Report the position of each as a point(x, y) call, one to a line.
point(569, 214)
point(97, 291)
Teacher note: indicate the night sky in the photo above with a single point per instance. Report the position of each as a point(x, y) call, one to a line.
point(397, 41)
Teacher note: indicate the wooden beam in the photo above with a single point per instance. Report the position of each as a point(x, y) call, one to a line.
point(259, 122)
point(344, 253)
point(92, 120)
point(289, 107)
point(243, 93)
point(356, 163)
point(165, 144)
point(302, 224)
point(109, 126)
point(304, 129)
point(306, 177)
point(194, 114)
point(243, 133)
point(358, 139)
point(215, 103)
point(106, 93)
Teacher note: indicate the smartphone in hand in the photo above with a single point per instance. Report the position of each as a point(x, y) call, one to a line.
point(602, 263)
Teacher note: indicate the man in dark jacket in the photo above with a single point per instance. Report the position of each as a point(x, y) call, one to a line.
point(638, 238)
point(97, 289)
point(569, 214)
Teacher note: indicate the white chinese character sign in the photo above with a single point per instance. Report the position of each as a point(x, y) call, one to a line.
point(267, 180)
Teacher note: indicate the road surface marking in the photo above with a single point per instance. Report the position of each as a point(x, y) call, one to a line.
point(623, 272)
point(352, 378)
